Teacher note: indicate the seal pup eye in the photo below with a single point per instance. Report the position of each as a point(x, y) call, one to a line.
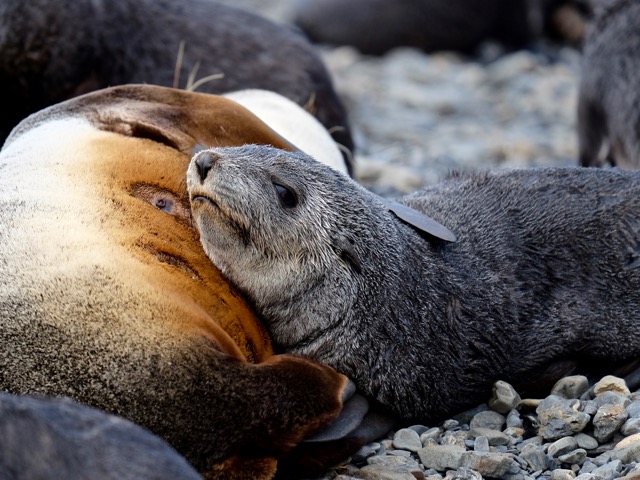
point(287, 197)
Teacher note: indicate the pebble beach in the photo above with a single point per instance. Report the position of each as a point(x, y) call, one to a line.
point(415, 118)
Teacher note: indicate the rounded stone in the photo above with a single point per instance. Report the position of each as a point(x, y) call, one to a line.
point(607, 421)
point(407, 439)
point(586, 441)
point(631, 426)
point(504, 397)
point(575, 457)
point(488, 419)
point(611, 383)
point(562, 474)
point(571, 387)
point(562, 446)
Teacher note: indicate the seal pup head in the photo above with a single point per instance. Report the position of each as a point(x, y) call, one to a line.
point(273, 223)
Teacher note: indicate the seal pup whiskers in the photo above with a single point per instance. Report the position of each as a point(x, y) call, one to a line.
point(544, 270)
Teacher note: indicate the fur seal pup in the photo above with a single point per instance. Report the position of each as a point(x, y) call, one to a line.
point(608, 101)
point(49, 54)
point(45, 438)
point(545, 269)
point(107, 297)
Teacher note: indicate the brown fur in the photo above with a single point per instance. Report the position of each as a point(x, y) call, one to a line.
point(108, 298)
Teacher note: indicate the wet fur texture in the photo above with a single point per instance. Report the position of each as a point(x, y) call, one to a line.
point(107, 297)
point(545, 270)
point(609, 102)
point(49, 54)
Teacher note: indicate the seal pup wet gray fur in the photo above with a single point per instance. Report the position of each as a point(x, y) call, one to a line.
point(544, 270)
point(609, 102)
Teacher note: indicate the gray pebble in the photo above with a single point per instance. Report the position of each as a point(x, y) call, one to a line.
point(495, 437)
point(559, 417)
point(450, 424)
point(419, 429)
point(611, 383)
point(463, 474)
point(407, 439)
point(562, 446)
point(488, 419)
point(612, 398)
point(534, 456)
point(571, 387)
point(432, 433)
point(481, 444)
point(487, 464)
point(514, 419)
point(504, 398)
point(561, 474)
point(608, 471)
point(399, 453)
point(454, 437)
point(586, 441)
point(393, 461)
point(575, 457)
point(633, 409)
point(441, 457)
point(588, 466)
point(631, 426)
point(607, 421)
point(378, 472)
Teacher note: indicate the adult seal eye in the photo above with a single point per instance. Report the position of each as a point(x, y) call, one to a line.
point(286, 196)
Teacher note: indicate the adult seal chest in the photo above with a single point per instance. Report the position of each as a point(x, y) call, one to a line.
point(544, 272)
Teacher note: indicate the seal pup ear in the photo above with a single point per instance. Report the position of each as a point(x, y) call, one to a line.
point(419, 221)
point(345, 250)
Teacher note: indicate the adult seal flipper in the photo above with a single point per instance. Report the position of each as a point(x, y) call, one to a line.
point(107, 297)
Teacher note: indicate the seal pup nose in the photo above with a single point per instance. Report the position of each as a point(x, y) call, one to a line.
point(204, 162)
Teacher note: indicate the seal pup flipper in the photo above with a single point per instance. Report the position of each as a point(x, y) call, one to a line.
point(419, 221)
point(351, 416)
point(312, 458)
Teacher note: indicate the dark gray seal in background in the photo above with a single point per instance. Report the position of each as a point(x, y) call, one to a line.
point(609, 100)
point(376, 26)
point(45, 438)
point(544, 272)
point(51, 51)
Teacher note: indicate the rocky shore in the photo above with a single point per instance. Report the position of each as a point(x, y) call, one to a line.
point(578, 431)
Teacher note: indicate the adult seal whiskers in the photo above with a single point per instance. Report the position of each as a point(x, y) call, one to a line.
point(544, 272)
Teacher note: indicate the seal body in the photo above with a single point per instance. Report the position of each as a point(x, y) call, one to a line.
point(51, 438)
point(544, 271)
point(377, 26)
point(608, 102)
point(49, 54)
point(107, 297)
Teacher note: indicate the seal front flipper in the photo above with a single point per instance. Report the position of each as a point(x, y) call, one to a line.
point(419, 221)
point(311, 458)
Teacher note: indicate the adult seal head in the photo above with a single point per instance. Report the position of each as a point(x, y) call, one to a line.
point(544, 272)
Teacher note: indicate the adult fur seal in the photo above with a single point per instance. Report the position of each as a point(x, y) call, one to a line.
point(107, 297)
point(545, 269)
point(49, 54)
point(609, 102)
